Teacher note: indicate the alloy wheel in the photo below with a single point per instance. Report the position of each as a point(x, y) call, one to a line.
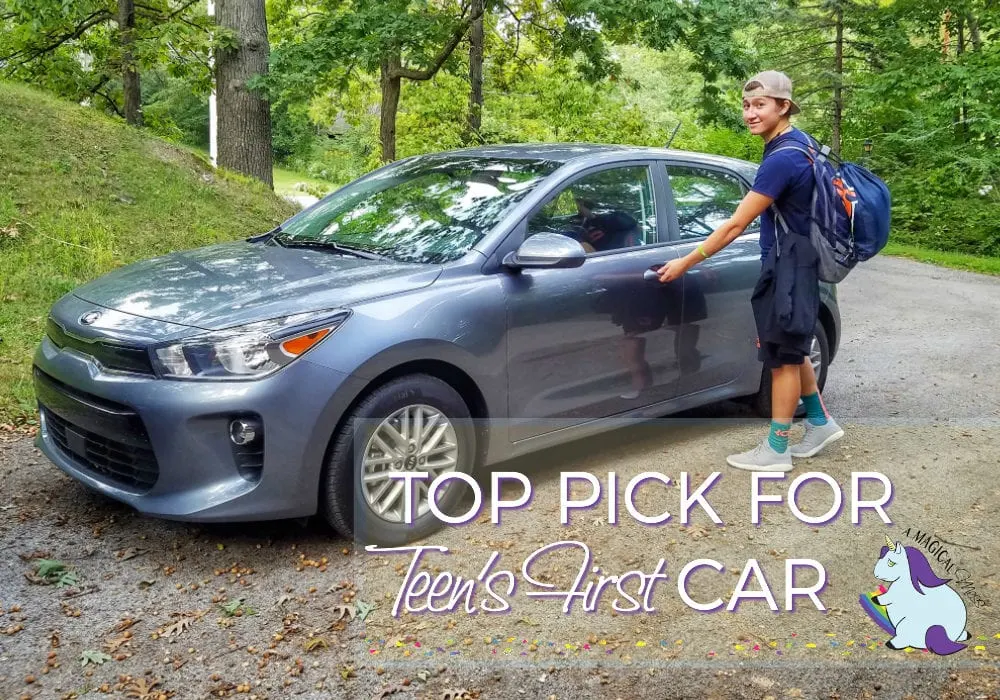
point(417, 438)
point(816, 356)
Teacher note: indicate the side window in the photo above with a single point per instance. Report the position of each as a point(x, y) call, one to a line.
point(607, 210)
point(704, 199)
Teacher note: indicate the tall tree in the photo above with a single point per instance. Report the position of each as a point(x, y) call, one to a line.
point(824, 47)
point(93, 48)
point(476, 40)
point(130, 72)
point(244, 112)
point(398, 40)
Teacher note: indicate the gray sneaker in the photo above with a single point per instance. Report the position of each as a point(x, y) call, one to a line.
point(762, 458)
point(816, 438)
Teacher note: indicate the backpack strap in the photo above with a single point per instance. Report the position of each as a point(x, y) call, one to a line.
point(779, 220)
point(800, 149)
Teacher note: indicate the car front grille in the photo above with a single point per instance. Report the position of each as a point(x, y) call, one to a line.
point(114, 356)
point(105, 439)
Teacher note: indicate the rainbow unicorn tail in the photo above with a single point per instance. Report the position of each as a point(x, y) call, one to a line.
point(937, 640)
point(876, 612)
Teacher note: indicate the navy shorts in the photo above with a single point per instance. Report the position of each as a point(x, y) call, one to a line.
point(774, 355)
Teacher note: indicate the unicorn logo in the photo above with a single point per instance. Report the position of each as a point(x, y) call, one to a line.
point(919, 609)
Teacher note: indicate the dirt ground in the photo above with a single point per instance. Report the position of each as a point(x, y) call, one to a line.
point(268, 610)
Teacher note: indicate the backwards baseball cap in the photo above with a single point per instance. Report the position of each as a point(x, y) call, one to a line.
point(771, 83)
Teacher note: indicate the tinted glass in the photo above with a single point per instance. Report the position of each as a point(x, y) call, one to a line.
point(607, 210)
point(428, 210)
point(704, 199)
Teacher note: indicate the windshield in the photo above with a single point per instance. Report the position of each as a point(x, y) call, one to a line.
point(428, 210)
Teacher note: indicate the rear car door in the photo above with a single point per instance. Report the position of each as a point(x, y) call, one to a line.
point(718, 334)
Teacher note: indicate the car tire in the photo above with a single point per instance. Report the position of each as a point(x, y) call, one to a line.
point(762, 399)
point(343, 503)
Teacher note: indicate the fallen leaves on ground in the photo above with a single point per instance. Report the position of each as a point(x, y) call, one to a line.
point(389, 690)
point(144, 689)
point(37, 554)
point(130, 553)
point(126, 623)
point(177, 628)
point(314, 643)
point(341, 610)
point(181, 622)
point(236, 608)
point(696, 532)
point(52, 572)
point(461, 694)
point(114, 644)
point(363, 609)
point(92, 656)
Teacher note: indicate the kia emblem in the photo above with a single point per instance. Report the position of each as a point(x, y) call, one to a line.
point(90, 317)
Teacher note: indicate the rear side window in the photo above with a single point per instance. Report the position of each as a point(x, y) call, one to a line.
point(704, 199)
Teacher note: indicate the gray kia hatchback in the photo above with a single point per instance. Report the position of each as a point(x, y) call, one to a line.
point(443, 313)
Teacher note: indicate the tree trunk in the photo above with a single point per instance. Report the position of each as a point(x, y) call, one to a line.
point(244, 116)
point(391, 87)
point(963, 128)
point(838, 81)
point(977, 42)
point(945, 33)
point(475, 119)
point(130, 74)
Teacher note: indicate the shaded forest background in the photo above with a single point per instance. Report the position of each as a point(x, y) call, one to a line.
point(909, 87)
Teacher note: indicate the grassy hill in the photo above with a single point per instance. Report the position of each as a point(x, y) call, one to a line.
point(80, 195)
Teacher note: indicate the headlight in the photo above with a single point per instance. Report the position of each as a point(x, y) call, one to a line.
point(247, 352)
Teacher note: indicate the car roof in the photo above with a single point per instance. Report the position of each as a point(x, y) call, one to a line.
point(569, 152)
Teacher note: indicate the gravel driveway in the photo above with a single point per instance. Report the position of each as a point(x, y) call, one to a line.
point(154, 609)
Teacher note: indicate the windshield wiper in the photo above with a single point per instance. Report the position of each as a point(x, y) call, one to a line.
point(267, 236)
point(331, 245)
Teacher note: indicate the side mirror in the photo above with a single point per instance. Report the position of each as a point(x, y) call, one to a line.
point(547, 250)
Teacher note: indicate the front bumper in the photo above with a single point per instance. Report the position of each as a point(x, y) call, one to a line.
point(163, 446)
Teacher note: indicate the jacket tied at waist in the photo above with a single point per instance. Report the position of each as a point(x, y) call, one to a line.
point(786, 299)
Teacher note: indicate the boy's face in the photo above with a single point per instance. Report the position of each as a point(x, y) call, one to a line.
point(762, 114)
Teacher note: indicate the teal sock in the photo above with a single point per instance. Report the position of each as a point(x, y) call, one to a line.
point(778, 437)
point(815, 411)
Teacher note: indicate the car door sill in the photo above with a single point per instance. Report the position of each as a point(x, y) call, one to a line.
point(663, 409)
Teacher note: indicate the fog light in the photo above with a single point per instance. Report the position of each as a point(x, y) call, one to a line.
point(243, 431)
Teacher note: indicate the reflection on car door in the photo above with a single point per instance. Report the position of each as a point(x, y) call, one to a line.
point(718, 333)
point(581, 341)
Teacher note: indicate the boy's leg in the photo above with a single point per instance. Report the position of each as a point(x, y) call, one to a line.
point(773, 453)
point(821, 428)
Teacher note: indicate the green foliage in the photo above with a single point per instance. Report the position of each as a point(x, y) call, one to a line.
point(55, 572)
point(174, 110)
point(93, 656)
point(934, 120)
point(236, 608)
point(85, 194)
point(929, 109)
point(74, 48)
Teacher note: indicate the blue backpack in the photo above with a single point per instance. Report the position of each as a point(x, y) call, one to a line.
point(850, 213)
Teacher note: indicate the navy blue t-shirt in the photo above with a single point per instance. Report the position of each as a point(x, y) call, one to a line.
point(787, 177)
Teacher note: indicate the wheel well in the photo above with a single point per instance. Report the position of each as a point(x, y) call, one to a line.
point(448, 373)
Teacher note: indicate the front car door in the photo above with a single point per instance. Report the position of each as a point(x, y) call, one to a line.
point(718, 337)
point(589, 342)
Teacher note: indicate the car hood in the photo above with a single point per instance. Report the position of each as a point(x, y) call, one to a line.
point(229, 284)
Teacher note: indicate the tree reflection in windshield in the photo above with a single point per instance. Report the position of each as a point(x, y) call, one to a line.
point(429, 210)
